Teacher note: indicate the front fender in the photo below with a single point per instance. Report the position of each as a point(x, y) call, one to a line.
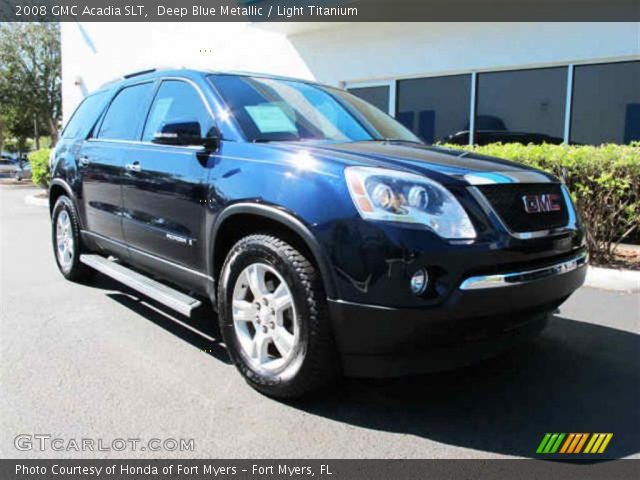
point(286, 219)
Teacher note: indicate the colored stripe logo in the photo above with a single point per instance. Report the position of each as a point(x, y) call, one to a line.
point(574, 443)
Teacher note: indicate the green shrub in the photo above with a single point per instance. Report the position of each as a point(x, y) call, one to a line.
point(40, 167)
point(604, 182)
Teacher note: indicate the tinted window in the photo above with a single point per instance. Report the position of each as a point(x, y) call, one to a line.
point(435, 108)
point(85, 116)
point(523, 106)
point(176, 102)
point(125, 114)
point(606, 103)
point(378, 95)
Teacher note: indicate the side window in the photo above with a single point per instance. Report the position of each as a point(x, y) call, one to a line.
point(85, 116)
point(126, 113)
point(175, 102)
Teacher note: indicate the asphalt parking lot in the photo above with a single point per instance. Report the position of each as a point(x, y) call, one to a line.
point(96, 361)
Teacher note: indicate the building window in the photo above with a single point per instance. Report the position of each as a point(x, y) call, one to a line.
point(377, 95)
point(436, 109)
point(526, 106)
point(606, 103)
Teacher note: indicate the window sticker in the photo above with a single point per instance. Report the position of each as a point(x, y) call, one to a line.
point(270, 118)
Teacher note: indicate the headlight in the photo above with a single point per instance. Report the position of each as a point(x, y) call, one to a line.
point(393, 196)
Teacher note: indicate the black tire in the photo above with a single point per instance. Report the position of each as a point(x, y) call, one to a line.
point(74, 270)
point(315, 362)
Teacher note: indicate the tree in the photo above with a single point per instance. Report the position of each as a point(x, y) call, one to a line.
point(19, 125)
point(2, 129)
point(30, 77)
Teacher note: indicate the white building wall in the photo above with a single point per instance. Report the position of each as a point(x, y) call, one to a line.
point(392, 50)
point(351, 52)
point(95, 53)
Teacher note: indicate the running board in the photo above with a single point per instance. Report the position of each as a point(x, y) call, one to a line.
point(161, 293)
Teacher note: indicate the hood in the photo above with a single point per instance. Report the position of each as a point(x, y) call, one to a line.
point(442, 164)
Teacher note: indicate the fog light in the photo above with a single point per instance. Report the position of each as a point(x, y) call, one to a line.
point(419, 281)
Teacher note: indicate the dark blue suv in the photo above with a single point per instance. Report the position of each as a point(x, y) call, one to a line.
point(326, 235)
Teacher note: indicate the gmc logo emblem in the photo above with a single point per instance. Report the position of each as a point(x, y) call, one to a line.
point(547, 202)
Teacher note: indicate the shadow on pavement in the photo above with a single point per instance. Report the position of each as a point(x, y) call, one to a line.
point(206, 336)
point(577, 377)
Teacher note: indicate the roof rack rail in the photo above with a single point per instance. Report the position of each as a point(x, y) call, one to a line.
point(141, 72)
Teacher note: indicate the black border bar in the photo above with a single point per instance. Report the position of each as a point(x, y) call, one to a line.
point(319, 469)
point(320, 10)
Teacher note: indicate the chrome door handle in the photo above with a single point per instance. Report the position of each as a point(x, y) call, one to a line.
point(84, 161)
point(133, 167)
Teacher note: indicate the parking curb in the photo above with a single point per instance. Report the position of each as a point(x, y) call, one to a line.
point(613, 279)
point(36, 201)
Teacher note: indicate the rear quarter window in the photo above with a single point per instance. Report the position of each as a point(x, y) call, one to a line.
point(85, 116)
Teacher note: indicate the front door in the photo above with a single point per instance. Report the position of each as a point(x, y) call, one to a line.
point(165, 187)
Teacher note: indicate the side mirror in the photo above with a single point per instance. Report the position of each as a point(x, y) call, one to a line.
point(211, 141)
point(179, 133)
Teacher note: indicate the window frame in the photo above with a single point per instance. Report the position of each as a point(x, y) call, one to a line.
point(199, 92)
point(93, 133)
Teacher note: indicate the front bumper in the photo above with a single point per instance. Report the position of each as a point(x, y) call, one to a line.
point(482, 317)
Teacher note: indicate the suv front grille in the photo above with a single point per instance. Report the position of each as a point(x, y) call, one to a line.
point(507, 201)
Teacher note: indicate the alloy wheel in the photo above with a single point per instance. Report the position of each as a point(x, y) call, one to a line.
point(64, 240)
point(264, 317)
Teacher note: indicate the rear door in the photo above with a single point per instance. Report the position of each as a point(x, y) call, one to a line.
point(102, 158)
point(165, 187)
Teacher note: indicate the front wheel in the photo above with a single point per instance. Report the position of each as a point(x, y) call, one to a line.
point(273, 318)
point(65, 235)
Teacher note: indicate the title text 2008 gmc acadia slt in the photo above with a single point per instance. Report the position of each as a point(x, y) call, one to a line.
point(326, 235)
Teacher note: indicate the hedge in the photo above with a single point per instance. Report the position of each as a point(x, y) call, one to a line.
point(604, 182)
point(39, 161)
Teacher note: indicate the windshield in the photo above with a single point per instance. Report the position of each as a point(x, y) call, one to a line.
point(268, 110)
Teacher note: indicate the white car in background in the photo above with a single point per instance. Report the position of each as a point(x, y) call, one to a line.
point(10, 168)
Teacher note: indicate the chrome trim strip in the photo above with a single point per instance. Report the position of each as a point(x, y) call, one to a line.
point(153, 257)
point(508, 176)
point(518, 278)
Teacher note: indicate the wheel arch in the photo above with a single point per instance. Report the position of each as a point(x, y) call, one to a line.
point(242, 219)
point(57, 188)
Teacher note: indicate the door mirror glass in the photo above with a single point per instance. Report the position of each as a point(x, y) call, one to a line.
point(179, 133)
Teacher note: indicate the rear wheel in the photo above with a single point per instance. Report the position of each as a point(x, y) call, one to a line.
point(273, 318)
point(65, 235)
